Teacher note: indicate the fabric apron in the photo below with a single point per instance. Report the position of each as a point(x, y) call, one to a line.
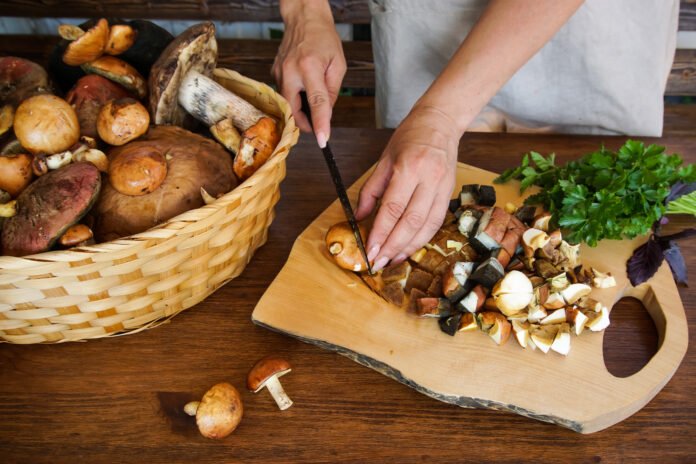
point(604, 72)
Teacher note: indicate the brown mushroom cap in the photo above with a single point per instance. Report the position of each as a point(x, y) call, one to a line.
point(193, 162)
point(195, 49)
point(264, 369)
point(89, 46)
point(220, 411)
point(118, 71)
point(88, 95)
point(258, 143)
point(46, 124)
point(15, 173)
point(21, 79)
point(122, 120)
point(137, 172)
point(343, 247)
point(121, 38)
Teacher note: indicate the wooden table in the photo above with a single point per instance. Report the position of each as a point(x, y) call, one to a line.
point(120, 399)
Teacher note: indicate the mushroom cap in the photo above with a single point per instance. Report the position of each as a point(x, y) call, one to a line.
point(88, 95)
point(15, 173)
point(264, 369)
point(21, 79)
point(220, 411)
point(195, 49)
point(118, 71)
point(193, 161)
point(122, 120)
point(88, 47)
point(137, 172)
point(46, 124)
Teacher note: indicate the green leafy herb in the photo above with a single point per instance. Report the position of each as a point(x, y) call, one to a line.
point(605, 194)
point(683, 205)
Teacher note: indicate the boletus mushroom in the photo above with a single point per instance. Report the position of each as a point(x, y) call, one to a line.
point(343, 246)
point(219, 412)
point(120, 121)
point(192, 162)
point(118, 71)
point(86, 46)
point(88, 95)
point(180, 82)
point(15, 173)
point(265, 374)
point(46, 124)
point(21, 79)
point(48, 207)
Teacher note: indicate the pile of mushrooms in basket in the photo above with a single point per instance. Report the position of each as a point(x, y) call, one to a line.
point(125, 130)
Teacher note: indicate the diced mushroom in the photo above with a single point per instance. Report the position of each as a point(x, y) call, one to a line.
point(559, 282)
point(554, 301)
point(434, 307)
point(488, 272)
point(532, 240)
point(556, 317)
point(513, 293)
point(491, 229)
point(467, 221)
point(474, 300)
point(455, 280)
point(496, 326)
point(602, 280)
point(535, 312)
point(543, 337)
point(561, 342)
point(577, 318)
point(598, 321)
point(469, 195)
point(450, 324)
point(574, 292)
point(541, 221)
point(486, 195)
point(521, 330)
point(467, 323)
point(265, 374)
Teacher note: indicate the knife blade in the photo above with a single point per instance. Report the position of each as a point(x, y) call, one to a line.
point(338, 183)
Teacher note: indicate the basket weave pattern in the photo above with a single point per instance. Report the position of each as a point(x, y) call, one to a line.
point(135, 283)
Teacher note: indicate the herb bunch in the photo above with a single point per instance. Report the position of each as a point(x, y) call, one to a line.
point(604, 194)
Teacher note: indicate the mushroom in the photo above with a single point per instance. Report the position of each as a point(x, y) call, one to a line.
point(88, 95)
point(85, 47)
point(266, 373)
point(543, 337)
point(467, 323)
point(6, 118)
point(121, 38)
point(228, 135)
point(571, 254)
point(81, 151)
point(555, 317)
point(118, 71)
point(180, 83)
point(219, 412)
point(495, 325)
point(343, 246)
point(15, 173)
point(76, 235)
point(561, 342)
point(20, 79)
point(8, 209)
point(46, 124)
point(122, 120)
point(521, 330)
point(541, 221)
point(193, 161)
point(532, 240)
point(577, 318)
point(574, 292)
point(598, 321)
point(554, 301)
point(602, 280)
point(513, 293)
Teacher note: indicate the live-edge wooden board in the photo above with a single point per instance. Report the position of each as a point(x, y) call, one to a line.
point(315, 301)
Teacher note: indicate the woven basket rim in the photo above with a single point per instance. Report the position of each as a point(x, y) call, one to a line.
point(180, 223)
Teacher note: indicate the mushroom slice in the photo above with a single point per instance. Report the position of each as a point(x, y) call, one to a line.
point(554, 301)
point(571, 254)
point(467, 323)
point(543, 337)
point(535, 312)
point(434, 307)
point(561, 342)
point(556, 317)
point(589, 303)
point(467, 221)
point(474, 300)
point(88, 46)
point(455, 280)
point(574, 292)
point(559, 282)
point(495, 325)
point(542, 221)
point(533, 239)
point(118, 71)
point(521, 330)
point(265, 374)
point(219, 412)
point(602, 280)
point(577, 318)
point(598, 321)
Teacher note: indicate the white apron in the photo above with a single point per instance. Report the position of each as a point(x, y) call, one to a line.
point(604, 72)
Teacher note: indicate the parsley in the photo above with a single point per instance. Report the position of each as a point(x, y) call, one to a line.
point(604, 194)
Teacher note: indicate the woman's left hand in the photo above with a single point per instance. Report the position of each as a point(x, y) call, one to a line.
point(414, 179)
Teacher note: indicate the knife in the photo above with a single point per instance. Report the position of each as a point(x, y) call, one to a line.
point(338, 183)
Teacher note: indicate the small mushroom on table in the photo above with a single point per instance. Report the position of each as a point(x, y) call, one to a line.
point(266, 373)
point(219, 412)
point(180, 82)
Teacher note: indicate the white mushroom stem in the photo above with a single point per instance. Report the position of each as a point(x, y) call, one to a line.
point(191, 408)
point(276, 389)
point(209, 102)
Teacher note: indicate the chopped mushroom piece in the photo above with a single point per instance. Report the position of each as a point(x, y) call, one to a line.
point(265, 374)
point(602, 280)
point(561, 342)
point(543, 337)
point(598, 321)
point(555, 317)
point(574, 292)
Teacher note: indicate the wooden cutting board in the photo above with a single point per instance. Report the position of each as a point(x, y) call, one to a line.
point(317, 302)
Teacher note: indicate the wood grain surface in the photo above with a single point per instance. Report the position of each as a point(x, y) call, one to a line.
point(120, 399)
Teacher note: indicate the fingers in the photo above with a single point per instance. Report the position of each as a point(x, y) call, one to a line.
point(291, 85)
point(334, 77)
point(436, 217)
point(373, 189)
point(318, 98)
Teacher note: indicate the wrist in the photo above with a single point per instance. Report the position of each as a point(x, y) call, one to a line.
point(437, 119)
point(293, 11)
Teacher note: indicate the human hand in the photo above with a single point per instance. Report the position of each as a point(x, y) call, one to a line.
point(310, 58)
point(414, 178)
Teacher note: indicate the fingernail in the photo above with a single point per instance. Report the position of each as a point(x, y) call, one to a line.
point(372, 254)
point(321, 139)
point(380, 263)
point(400, 258)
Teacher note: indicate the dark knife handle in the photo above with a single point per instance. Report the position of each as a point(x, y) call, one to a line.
point(304, 106)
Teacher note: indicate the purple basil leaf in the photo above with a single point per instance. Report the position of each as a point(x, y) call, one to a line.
point(645, 261)
point(676, 263)
point(680, 189)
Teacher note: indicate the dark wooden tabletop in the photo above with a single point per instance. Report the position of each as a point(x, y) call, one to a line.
point(120, 399)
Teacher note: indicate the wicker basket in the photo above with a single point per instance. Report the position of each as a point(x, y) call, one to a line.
point(135, 283)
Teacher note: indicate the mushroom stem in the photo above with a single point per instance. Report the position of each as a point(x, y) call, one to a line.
point(276, 389)
point(209, 102)
point(191, 408)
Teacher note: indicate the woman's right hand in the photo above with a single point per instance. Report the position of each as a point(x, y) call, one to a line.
point(310, 58)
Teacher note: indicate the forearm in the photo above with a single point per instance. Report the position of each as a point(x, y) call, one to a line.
point(291, 10)
point(506, 36)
